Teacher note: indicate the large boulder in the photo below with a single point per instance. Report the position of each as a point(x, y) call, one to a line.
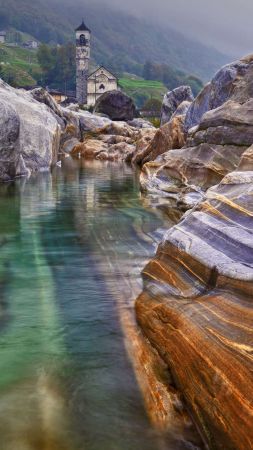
point(213, 148)
point(196, 310)
point(233, 81)
point(34, 133)
point(173, 99)
point(11, 161)
point(116, 105)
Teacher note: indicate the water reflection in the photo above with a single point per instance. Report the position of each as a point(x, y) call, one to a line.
point(71, 245)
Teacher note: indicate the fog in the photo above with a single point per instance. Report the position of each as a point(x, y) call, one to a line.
point(224, 24)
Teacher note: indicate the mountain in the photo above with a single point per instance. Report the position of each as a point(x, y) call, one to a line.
point(118, 38)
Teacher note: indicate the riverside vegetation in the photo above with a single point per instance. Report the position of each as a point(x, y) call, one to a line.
point(195, 307)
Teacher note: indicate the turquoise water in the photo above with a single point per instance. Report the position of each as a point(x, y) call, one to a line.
point(69, 241)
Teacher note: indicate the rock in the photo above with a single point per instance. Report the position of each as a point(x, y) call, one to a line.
point(172, 101)
point(91, 122)
point(233, 81)
point(169, 136)
point(119, 129)
point(213, 148)
point(182, 109)
point(42, 96)
point(140, 123)
point(11, 161)
point(196, 310)
point(116, 105)
point(97, 149)
point(69, 145)
point(36, 142)
point(246, 162)
point(90, 148)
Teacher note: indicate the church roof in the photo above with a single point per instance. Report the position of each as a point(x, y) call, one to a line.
point(83, 27)
point(102, 67)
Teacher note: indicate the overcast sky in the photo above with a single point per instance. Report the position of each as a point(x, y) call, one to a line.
point(225, 24)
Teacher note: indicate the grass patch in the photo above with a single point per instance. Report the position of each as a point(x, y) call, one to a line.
point(141, 90)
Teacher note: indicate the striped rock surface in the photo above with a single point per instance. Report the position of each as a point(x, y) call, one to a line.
point(196, 310)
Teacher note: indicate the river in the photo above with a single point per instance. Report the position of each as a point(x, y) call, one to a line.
point(73, 244)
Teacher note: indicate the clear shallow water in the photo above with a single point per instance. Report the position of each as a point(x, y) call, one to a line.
point(72, 244)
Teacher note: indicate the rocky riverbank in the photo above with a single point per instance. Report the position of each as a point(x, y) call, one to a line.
point(196, 304)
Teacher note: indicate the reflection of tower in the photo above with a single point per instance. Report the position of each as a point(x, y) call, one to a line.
point(82, 62)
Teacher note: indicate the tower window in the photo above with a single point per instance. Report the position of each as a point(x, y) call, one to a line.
point(102, 86)
point(82, 40)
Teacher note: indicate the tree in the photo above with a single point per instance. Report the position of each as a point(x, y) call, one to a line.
point(147, 70)
point(45, 58)
point(58, 65)
point(152, 105)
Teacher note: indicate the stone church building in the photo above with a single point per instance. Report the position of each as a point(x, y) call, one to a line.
point(90, 87)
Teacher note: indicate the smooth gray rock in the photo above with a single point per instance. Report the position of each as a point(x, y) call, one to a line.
point(116, 105)
point(182, 109)
point(90, 122)
point(42, 96)
point(37, 142)
point(218, 91)
point(140, 123)
point(11, 161)
point(172, 100)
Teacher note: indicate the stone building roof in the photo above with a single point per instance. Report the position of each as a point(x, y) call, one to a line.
point(103, 68)
point(83, 27)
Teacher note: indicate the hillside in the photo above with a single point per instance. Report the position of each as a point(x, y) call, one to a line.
point(19, 66)
point(120, 42)
point(141, 90)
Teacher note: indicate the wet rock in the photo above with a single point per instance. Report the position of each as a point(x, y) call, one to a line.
point(172, 100)
point(116, 105)
point(196, 310)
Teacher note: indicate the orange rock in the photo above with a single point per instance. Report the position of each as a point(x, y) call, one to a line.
point(169, 136)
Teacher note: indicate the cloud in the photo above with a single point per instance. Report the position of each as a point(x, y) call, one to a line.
point(225, 24)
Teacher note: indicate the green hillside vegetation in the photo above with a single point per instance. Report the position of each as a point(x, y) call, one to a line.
point(119, 41)
point(18, 66)
point(141, 90)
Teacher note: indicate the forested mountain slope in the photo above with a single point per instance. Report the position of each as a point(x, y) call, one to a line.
point(118, 39)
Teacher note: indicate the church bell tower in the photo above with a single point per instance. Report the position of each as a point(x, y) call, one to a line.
point(82, 62)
